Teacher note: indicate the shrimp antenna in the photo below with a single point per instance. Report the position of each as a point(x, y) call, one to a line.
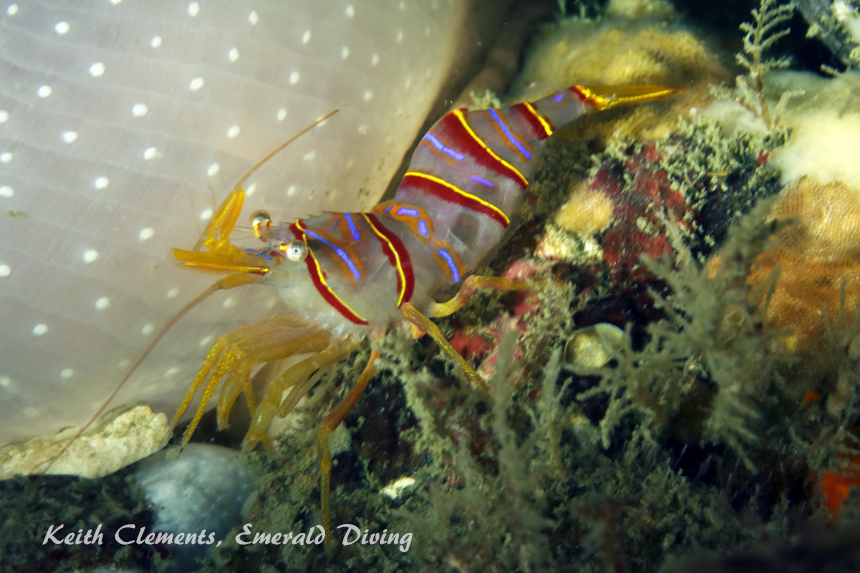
point(218, 285)
point(278, 149)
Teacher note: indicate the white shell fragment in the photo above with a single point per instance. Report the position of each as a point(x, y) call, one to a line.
point(592, 347)
point(397, 487)
point(120, 438)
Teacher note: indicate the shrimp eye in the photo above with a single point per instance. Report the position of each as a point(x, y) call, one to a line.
point(295, 251)
point(260, 221)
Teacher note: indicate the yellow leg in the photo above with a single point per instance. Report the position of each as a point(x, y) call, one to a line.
point(296, 377)
point(414, 316)
point(331, 422)
point(247, 354)
point(222, 344)
point(252, 406)
point(262, 341)
point(470, 285)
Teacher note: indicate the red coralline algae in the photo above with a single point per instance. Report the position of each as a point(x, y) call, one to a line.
point(471, 345)
point(622, 212)
point(481, 345)
point(637, 226)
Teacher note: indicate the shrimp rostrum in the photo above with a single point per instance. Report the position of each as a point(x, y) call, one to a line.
point(350, 275)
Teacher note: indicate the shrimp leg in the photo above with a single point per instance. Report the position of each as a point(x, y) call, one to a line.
point(425, 325)
point(331, 422)
point(235, 353)
point(470, 285)
point(301, 378)
point(422, 325)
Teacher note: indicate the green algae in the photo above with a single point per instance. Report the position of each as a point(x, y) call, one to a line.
point(29, 506)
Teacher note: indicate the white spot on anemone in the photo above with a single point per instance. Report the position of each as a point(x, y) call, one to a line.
point(69, 136)
point(206, 214)
point(44, 91)
point(155, 41)
point(368, 95)
point(12, 9)
point(291, 191)
point(5, 157)
point(309, 156)
point(213, 170)
point(172, 293)
point(4, 116)
point(374, 61)
point(139, 109)
point(146, 234)
point(5, 270)
point(233, 54)
point(350, 11)
point(67, 373)
point(101, 182)
point(196, 84)
point(147, 329)
point(102, 303)
point(193, 9)
point(40, 329)
point(90, 255)
point(282, 114)
point(6, 191)
point(306, 37)
point(206, 341)
point(253, 18)
point(295, 77)
point(97, 69)
point(150, 153)
point(344, 53)
point(233, 131)
point(61, 28)
point(228, 302)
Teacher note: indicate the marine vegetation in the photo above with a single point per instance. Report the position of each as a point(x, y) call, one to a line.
point(761, 35)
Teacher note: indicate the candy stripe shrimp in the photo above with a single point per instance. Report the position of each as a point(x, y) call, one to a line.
point(348, 276)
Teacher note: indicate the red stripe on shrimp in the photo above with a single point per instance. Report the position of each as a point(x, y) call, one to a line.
point(579, 93)
point(450, 193)
point(457, 128)
point(541, 126)
point(319, 280)
point(398, 256)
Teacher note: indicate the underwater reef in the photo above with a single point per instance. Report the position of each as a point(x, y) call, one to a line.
point(679, 392)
